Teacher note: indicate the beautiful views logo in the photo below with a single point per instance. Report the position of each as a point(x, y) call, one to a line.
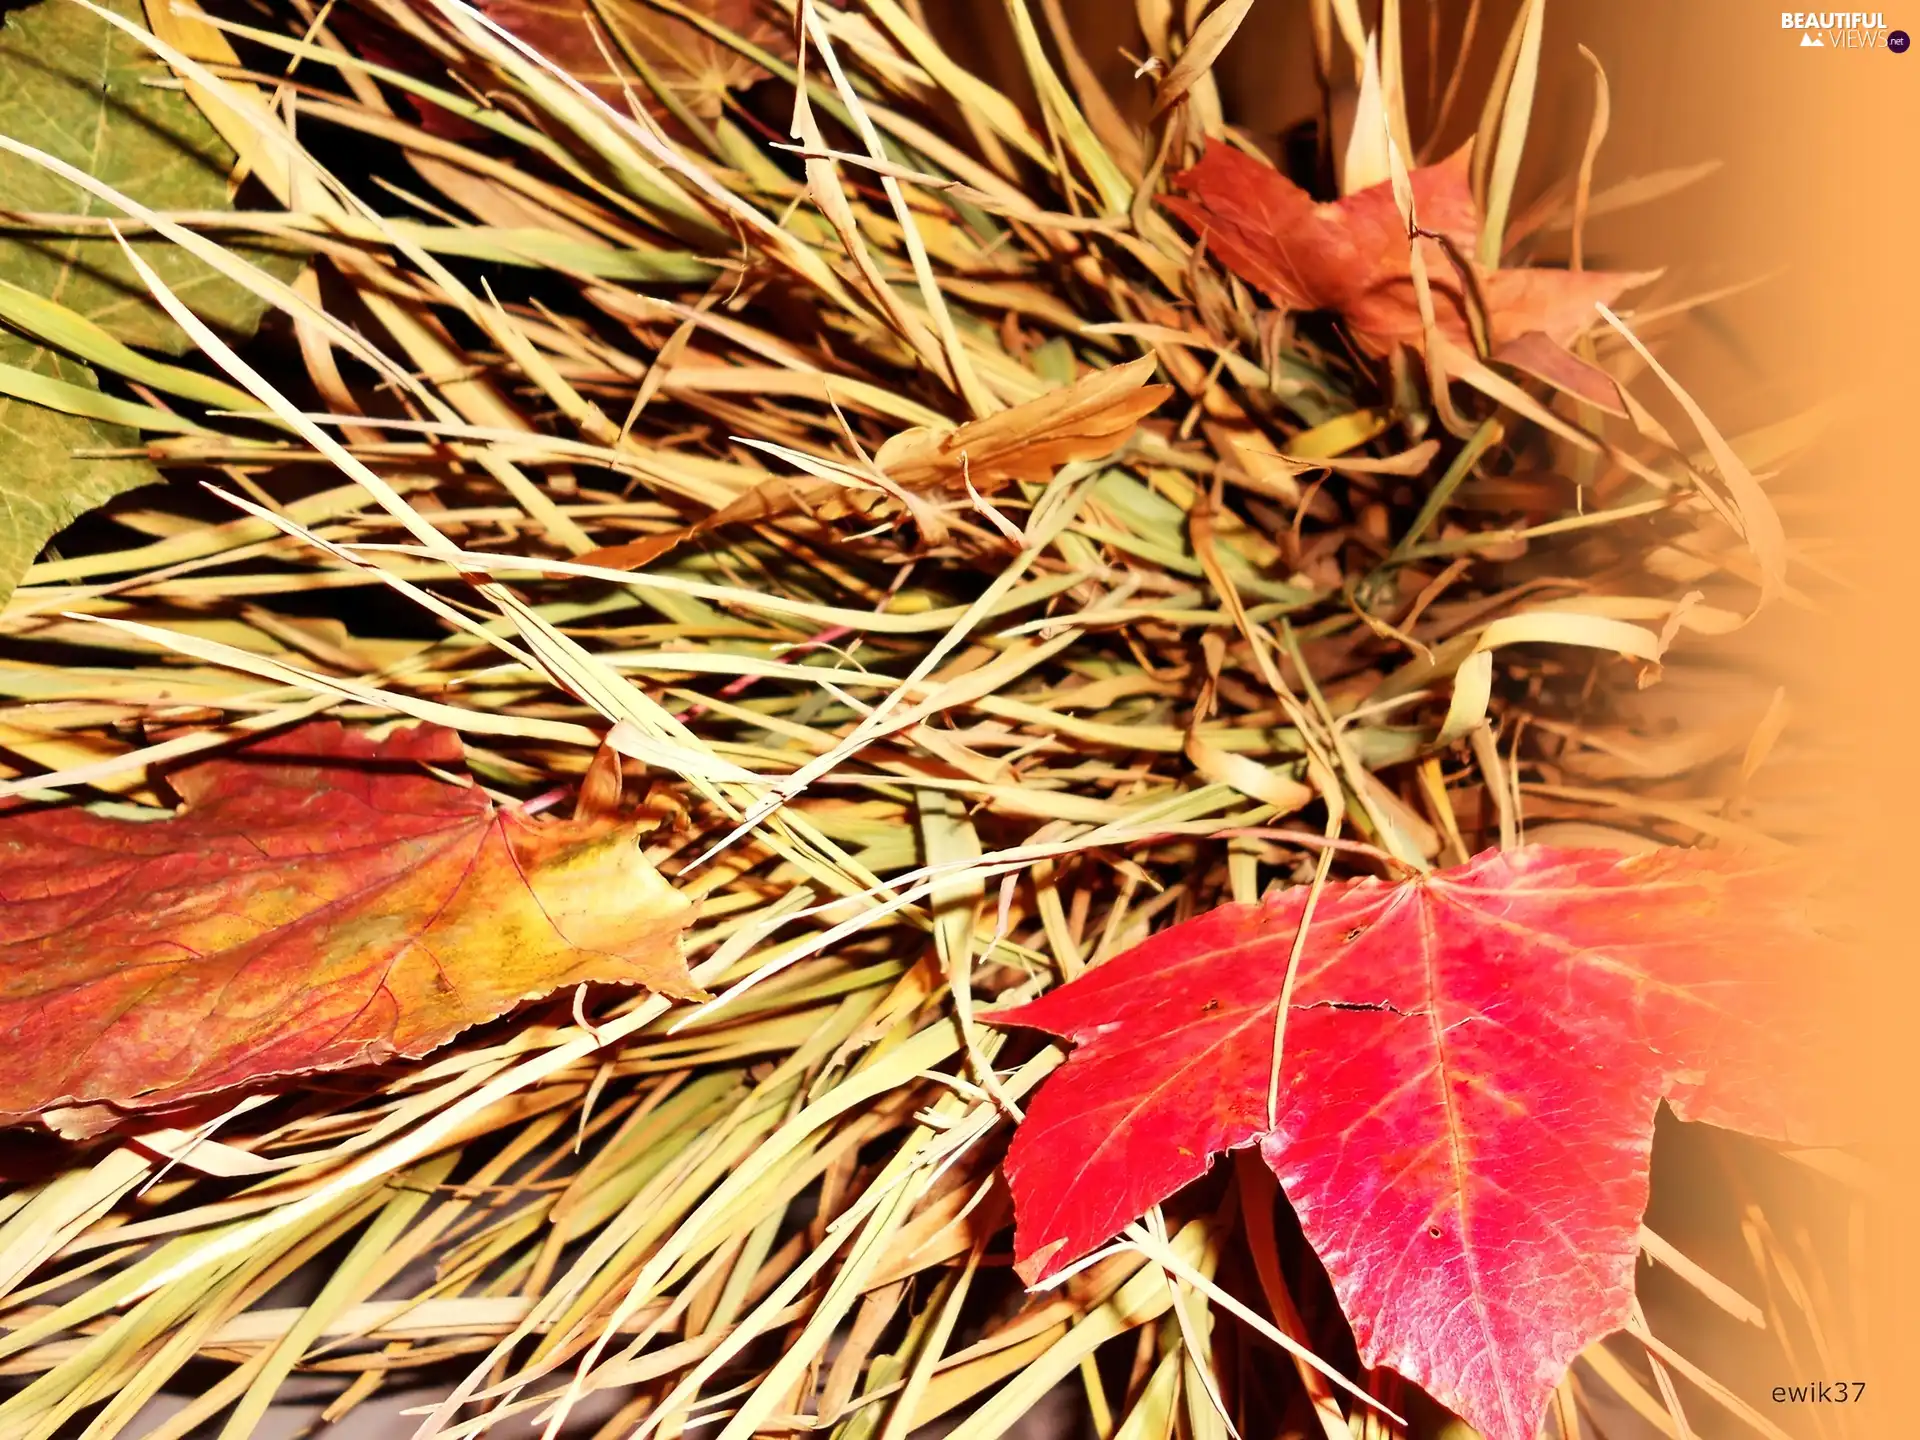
point(1842, 30)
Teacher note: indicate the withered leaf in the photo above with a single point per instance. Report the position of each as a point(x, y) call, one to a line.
point(1087, 420)
point(1351, 255)
point(699, 69)
point(322, 901)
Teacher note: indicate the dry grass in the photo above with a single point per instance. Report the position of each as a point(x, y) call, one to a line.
point(913, 750)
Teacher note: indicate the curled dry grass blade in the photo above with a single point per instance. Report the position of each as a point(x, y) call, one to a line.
point(617, 407)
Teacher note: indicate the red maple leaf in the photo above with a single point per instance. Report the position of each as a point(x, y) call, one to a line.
point(323, 901)
point(1470, 1069)
point(1350, 255)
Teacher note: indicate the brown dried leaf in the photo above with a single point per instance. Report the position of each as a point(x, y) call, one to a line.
point(1087, 420)
point(1352, 256)
point(699, 69)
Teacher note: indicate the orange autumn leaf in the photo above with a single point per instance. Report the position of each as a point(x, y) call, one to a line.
point(322, 901)
point(1351, 256)
point(1087, 420)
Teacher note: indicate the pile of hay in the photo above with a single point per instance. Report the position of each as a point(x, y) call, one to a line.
point(613, 392)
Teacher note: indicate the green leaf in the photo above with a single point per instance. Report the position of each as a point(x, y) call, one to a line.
point(93, 96)
point(81, 90)
point(44, 486)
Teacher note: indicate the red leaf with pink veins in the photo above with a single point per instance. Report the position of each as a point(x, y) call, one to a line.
point(1471, 1067)
point(1350, 255)
point(323, 901)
